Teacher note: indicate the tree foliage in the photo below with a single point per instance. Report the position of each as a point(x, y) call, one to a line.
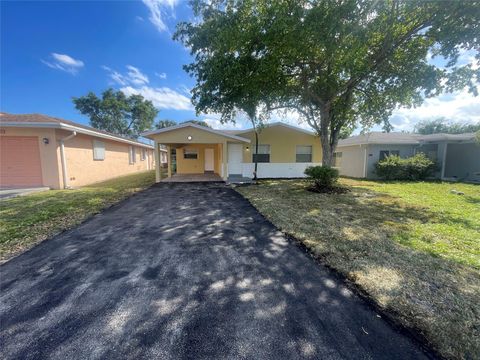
point(444, 126)
point(165, 123)
point(337, 63)
point(117, 113)
point(197, 122)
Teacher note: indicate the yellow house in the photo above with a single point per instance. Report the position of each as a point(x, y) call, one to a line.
point(284, 151)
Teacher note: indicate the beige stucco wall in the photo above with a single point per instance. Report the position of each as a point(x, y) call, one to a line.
point(83, 170)
point(352, 162)
point(283, 142)
point(49, 153)
point(197, 166)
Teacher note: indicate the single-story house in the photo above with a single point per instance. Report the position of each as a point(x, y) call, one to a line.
point(457, 155)
point(38, 150)
point(284, 151)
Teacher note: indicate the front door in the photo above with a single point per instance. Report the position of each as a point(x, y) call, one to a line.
point(209, 160)
point(235, 157)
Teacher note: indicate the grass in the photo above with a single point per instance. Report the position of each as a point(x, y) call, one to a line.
point(27, 220)
point(414, 248)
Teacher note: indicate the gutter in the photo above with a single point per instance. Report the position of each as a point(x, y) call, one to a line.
point(64, 159)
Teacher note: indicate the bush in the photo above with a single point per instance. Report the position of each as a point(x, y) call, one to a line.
point(417, 167)
point(322, 176)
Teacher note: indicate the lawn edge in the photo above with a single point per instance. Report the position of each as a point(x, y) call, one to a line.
point(392, 318)
point(58, 233)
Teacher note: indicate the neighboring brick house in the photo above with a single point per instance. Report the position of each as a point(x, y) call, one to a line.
point(39, 150)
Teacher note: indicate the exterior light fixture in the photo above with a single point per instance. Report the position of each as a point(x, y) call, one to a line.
point(189, 138)
point(247, 148)
point(46, 141)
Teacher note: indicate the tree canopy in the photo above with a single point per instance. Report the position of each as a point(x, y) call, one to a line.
point(165, 123)
point(117, 113)
point(339, 64)
point(442, 125)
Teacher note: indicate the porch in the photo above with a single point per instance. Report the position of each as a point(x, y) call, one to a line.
point(205, 177)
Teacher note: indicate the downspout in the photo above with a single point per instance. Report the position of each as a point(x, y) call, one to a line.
point(64, 159)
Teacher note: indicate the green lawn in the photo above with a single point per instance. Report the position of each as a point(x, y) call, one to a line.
point(27, 220)
point(414, 248)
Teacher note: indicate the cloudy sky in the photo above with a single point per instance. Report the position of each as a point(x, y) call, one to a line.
point(53, 51)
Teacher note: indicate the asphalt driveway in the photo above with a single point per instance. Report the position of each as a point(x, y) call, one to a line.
point(184, 271)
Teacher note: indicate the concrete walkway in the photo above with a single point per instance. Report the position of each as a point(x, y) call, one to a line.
point(184, 271)
point(186, 178)
point(7, 193)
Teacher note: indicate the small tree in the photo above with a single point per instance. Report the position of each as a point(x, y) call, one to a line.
point(117, 113)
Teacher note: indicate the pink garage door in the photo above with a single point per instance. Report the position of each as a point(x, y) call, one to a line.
point(20, 161)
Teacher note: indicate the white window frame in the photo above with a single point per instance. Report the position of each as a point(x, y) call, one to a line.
point(98, 150)
point(143, 155)
point(132, 155)
point(263, 149)
point(190, 151)
point(297, 147)
point(337, 158)
point(388, 153)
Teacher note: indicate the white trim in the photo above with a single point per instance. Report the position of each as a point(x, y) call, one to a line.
point(278, 123)
point(200, 127)
point(62, 126)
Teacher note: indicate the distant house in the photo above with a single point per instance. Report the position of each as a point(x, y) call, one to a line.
point(39, 150)
point(284, 151)
point(458, 156)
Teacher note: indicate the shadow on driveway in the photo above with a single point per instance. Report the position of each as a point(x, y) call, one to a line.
point(184, 271)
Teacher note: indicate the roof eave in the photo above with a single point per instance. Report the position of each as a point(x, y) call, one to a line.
point(62, 126)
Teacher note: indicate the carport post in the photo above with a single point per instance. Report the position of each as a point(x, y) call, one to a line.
point(224, 161)
point(158, 162)
point(169, 164)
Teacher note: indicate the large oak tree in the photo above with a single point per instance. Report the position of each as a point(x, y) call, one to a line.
point(339, 64)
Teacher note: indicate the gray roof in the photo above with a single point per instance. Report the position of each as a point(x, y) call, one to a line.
point(402, 138)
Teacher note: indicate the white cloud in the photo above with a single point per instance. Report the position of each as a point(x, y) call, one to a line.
point(161, 75)
point(159, 9)
point(133, 77)
point(162, 98)
point(460, 106)
point(64, 62)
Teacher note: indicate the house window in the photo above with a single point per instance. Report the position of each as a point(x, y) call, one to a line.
point(303, 154)
point(386, 153)
point(144, 155)
point(132, 155)
point(263, 155)
point(98, 150)
point(337, 159)
point(190, 154)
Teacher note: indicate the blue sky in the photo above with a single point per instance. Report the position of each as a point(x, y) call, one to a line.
point(53, 51)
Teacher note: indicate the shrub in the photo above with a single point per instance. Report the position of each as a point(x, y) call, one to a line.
point(417, 167)
point(390, 168)
point(322, 176)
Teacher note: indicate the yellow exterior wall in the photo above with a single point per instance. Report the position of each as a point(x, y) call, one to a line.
point(83, 170)
point(51, 173)
point(283, 142)
point(197, 166)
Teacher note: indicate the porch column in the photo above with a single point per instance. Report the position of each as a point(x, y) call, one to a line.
point(224, 161)
point(169, 163)
point(158, 162)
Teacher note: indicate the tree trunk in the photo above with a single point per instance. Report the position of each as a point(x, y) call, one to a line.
point(325, 137)
point(256, 152)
